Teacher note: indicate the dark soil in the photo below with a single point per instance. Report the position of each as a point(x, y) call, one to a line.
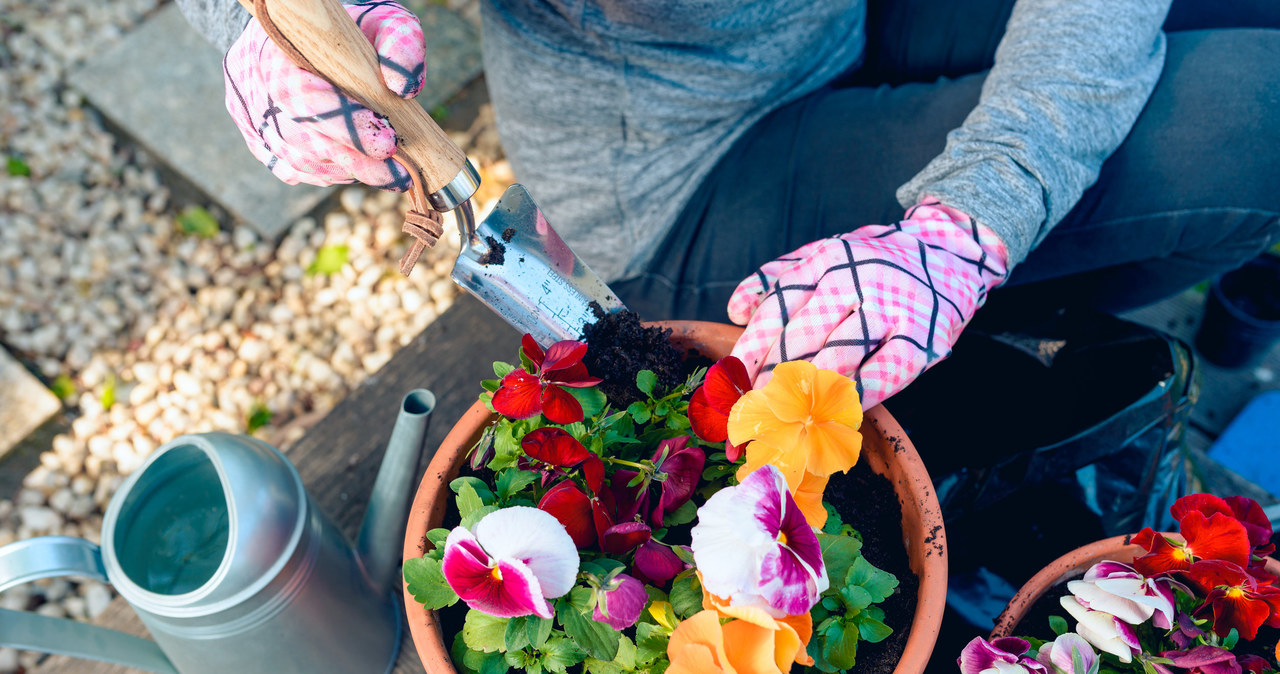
point(866, 501)
point(619, 348)
point(497, 252)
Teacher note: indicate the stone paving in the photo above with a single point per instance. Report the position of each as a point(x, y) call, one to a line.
point(148, 321)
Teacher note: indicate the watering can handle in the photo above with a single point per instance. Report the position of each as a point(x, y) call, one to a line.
point(51, 557)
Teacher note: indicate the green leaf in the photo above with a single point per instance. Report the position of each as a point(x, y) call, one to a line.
point(516, 636)
point(198, 221)
point(879, 584)
point(598, 639)
point(841, 647)
point(259, 416)
point(427, 583)
point(501, 369)
point(855, 598)
point(838, 553)
point(581, 598)
point(1058, 624)
point(486, 663)
point(872, 630)
point(63, 387)
point(686, 513)
point(468, 500)
point(483, 632)
point(477, 485)
point(591, 399)
point(330, 259)
point(645, 381)
point(686, 594)
point(651, 643)
point(625, 662)
point(512, 480)
point(639, 412)
point(18, 167)
point(490, 386)
point(1229, 642)
point(109, 392)
point(476, 515)
point(559, 654)
point(834, 522)
point(537, 630)
point(436, 537)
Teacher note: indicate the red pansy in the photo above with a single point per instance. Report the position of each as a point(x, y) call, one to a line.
point(525, 394)
point(572, 508)
point(1217, 537)
point(677, 469)
point(709, 408)
point(1237, 599)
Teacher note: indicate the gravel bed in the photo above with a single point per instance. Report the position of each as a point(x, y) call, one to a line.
point(153, 331)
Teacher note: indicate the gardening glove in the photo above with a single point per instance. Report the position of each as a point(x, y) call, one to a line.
point(881, 304)
point(303, 129)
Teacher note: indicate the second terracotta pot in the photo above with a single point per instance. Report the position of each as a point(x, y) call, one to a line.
point(885, 448)
point(1068, 567)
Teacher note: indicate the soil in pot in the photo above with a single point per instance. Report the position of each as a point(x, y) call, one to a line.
point(1036, 624)
point(621, 347)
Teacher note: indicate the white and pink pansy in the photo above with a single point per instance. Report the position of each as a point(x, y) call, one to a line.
point(1003, 655)
point(1060, 655)
point(511, 562)
point(1105, 631)
point(753, 547)
point(1115, 588)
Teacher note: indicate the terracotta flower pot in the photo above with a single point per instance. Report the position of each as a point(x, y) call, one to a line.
point(1069, 566)
point(885, 448)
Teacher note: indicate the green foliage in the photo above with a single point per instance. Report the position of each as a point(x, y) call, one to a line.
point(686, 594)
point(1058, 624)
point(591, 398)
point(483, 632)
point(427, 583)
point(646, 380)
point(833, 523)
point(624, 662)
point(18, 167)
point(512, 481)
point(848, 613)
point(330, 259)
point(63, 387)
point(109, 391)
point(259, 416)
point(437, 537)
point(196, 220)
point(598, 639)
point(686, 513)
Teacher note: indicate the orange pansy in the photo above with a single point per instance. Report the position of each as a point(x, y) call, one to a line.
point(757, 644)
point(803, 420)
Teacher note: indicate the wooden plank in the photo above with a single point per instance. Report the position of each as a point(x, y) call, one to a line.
point(339, 457)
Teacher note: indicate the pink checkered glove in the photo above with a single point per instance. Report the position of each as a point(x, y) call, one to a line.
point(301, 127)
point(881, 304)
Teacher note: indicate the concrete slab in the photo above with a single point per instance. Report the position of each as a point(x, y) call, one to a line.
point(25, 404)
point(162, 86)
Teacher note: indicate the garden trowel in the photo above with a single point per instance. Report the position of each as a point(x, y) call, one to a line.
point(513, 260)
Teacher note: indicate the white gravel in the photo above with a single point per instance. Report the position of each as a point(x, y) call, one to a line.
point(99, 286)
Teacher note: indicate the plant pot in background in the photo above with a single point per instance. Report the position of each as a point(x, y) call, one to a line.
point(1068, 567)
point(885, 448)
point(1242, 315)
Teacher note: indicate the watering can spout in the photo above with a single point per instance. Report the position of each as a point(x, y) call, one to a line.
point(382, 532)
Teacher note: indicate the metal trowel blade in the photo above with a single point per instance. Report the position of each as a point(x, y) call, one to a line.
point(517, 265)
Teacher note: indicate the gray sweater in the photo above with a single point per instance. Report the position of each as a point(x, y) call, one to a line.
point(613, 111)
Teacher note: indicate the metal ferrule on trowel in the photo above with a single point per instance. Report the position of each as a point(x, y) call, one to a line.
point(513, 261)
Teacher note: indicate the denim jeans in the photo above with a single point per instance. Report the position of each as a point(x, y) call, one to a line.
point(1194, 190)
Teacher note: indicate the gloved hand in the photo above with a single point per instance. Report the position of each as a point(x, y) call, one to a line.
point(880, 304)
point(301, 127)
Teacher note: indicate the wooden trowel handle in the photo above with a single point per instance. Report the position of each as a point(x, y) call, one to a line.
point(329, 40)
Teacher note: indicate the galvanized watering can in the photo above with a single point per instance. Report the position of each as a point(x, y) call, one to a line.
point(231, 565)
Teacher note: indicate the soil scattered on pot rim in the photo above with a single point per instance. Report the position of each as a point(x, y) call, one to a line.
point(619, 348)
point(866, 501)
point(497, 252)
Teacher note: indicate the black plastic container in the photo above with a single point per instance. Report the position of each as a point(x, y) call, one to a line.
point(1242, 315)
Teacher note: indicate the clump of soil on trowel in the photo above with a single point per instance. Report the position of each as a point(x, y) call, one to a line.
point(497, 252)
point(619, 348)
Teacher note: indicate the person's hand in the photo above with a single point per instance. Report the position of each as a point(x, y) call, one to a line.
point(880, 304)
point(303, 129)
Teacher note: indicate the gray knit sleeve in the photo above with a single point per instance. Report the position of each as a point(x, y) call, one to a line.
point(1069, 80)
point(219, 21)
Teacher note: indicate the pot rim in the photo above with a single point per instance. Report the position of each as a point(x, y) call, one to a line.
point(719, 338)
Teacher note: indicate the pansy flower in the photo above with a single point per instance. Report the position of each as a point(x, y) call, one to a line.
point(1007, 655)
point(511, 563)
point(1242, 508)
point(1203, 659)
point(523, 394)
point(656, 563)
point(620, 602)
point(755, 643)
point(804, 419)
point(1237, 599)
point(552, 452)
point(677, 467)
point(754, 547)
point(1105, 631)
point(1216, 537)
point(1118, 589)
point(1064, 653)
point(709, 408)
